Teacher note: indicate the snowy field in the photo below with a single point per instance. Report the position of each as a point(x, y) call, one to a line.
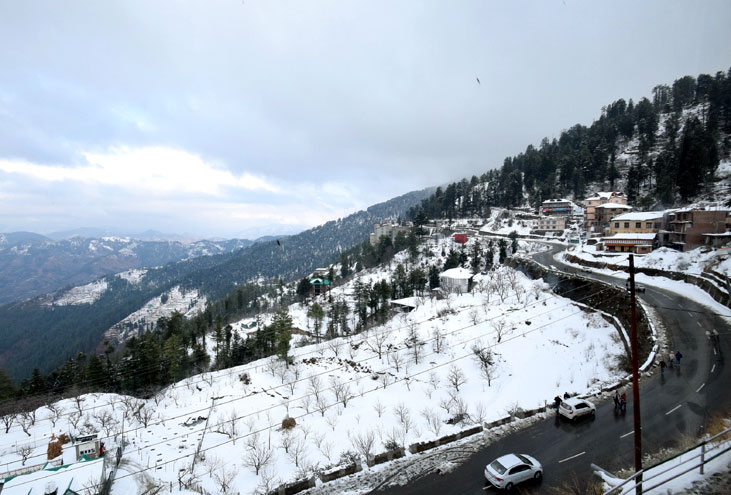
point(395, 384)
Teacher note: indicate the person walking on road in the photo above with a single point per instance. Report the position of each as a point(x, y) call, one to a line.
point(662, 367)
point(623, 402)
point(671, 358)
point(616, 400)
point(678, 357)
point(556, 402)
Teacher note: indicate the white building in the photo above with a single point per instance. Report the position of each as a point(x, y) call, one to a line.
point(456, 280)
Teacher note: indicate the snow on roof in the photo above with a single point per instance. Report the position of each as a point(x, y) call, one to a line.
point(634, 237)
point(411, 302)
point(73, 476)
point(614, 206)
point(462, 273)
point(640, 215)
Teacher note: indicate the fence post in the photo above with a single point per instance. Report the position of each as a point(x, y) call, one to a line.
point(703, 453)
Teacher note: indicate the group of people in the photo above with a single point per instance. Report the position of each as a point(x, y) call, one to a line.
point(557, 400)
point(673, 359)
point(620, 401)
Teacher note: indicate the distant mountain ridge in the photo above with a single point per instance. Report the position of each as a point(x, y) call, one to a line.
point(32, 264)
point(66, 330)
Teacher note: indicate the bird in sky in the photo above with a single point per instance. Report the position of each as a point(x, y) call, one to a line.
point(478, 80)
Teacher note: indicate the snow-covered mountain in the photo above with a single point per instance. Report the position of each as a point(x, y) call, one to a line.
point(31, 264)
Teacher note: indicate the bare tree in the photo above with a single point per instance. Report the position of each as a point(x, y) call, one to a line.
point(224, 478)
point(272, 365)
point(342, 391)
point(315, 386)
point(363, 443)
point(396, 359)
point(24, 451)
point(269, 481)
point(8, 419)
point(213, 463)
point(25, 422)
point(326, 448)
point(282, 371)
point(379, 407)
point(456, 377)
point(474, 317)
point(145, 414)
point(433, 422)
point(335, 345)
point(376, 343)
point(55, 414)
point(385, 379)
point(403, 415)
point(332, 421)
point(298, 451)
point(321, 404)
point(79, 403)
point(258, 454)
point(485, 360)
point(499, 327)
point(286, 440)
point(414, 342)
point(479, 414)
point(74, 419)
point(106, 421)
point(438, 340)
point(306, 403)
point(434, 380)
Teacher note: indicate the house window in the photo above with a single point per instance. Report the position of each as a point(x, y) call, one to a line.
point(638, 225)
point(616, 225)
point(626, 225)
point(657, 225)
point(648, 225)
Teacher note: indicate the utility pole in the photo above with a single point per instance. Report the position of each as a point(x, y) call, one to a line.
point(635, 378)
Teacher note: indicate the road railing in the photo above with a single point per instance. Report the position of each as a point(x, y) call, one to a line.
point(709, 450)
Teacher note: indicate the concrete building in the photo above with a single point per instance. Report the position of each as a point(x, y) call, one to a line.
point(600, 198)
point(686, 228)
point(386, 229)
point(630, 243)
point(551, 224)
point(637, 222)
point(604, 214)
point(557, 207)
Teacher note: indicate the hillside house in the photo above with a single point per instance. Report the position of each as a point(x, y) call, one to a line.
point(388, 230)
point(637, 222)
point(320, 285)
point(600, 198)
point(552, 207)
point(88, 446)
point(460, 237)
point(630, 243)
point(551, 224)
point(457, 280)
point(604, 214)
point(687, 227)
point(84, 477)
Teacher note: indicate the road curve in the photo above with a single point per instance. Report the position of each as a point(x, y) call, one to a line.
point(675, 407)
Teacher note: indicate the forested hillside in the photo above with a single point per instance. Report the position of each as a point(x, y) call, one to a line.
point(662, 151)
point(32, 264)
point(67, 330)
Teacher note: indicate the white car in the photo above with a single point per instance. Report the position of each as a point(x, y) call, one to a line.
point(511, 469)
point(573, 408)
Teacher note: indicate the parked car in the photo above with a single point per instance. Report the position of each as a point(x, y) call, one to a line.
point(573, 408)
point(638, 287)
point(511, 469)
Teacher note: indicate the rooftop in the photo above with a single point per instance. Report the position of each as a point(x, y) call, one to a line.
point(457, 273)
point(614, 206)
point(639, 215)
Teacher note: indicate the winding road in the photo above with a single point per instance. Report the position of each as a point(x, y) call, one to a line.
point(675, 407)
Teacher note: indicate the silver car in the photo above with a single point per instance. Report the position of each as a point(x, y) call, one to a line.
point(511, 469)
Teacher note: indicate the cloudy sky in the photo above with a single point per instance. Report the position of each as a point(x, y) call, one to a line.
point(216, 117)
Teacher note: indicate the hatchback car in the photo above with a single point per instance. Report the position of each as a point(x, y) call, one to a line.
point(511, 469)
point(573, 408)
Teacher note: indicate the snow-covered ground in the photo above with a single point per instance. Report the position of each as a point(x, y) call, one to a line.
point(397, 383)
point(133, 276)
point(189, 303)
point(694, 262)
point(83, 294)
point(679, 474)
